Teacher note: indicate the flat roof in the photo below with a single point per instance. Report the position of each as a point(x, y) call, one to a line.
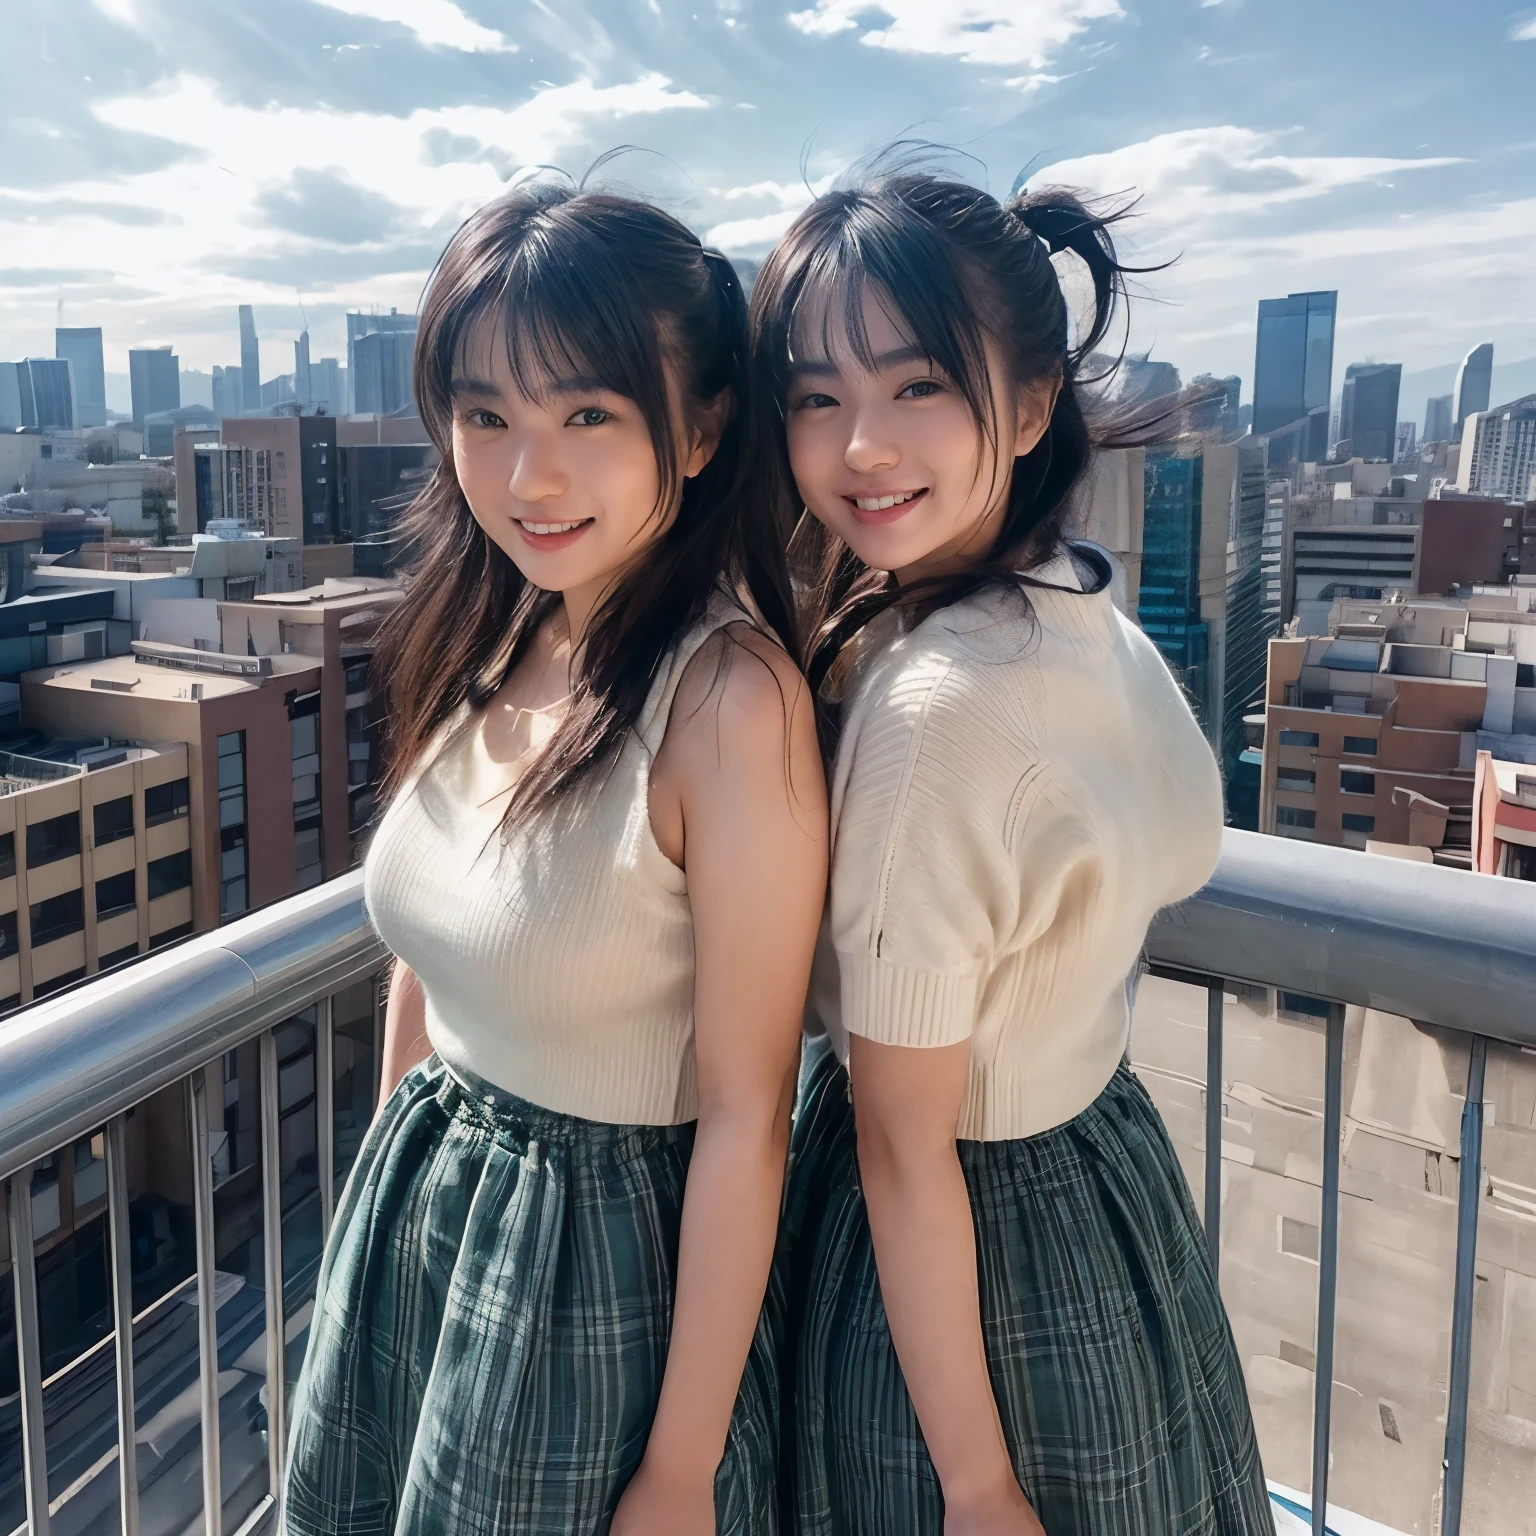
point(161, 682)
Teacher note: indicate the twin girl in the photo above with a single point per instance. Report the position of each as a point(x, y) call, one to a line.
point(748, 676)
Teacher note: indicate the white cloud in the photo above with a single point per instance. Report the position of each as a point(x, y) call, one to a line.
point(437, 23)
point(240, 156)
point(1002, 32)
point(1208, 175)
point(1524, 31)
point(745, 235)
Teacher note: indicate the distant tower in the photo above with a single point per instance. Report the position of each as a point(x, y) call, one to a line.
point(1474, 381)
point(81, 344)
point(1368, 410)
point(1437, 419)
point(1293, 366)
point(250, 361)
point(301, 375)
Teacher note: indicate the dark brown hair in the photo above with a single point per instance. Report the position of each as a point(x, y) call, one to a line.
point(959, 268)
point(615, 289)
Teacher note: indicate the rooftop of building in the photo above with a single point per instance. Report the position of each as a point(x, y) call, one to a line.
point(32, 759)
point(161, 671)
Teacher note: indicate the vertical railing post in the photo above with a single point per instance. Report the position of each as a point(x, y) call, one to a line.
point(325, 1110)
point(1215, 1019)
point(207, 1315)
point(272, 1248)
point(1328, 1264)
point(29, 1353)
point(121, 1238)
point(1468, 1200)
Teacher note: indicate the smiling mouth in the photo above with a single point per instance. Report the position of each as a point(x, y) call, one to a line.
point(884, 509)
point(545, 529)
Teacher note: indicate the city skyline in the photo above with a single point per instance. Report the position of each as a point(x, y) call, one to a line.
point(170, 163)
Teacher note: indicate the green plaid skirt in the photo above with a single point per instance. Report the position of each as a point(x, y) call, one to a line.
point(492, 1323)
point(1121, 1394)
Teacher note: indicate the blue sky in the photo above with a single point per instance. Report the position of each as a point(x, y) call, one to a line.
point(162, 161)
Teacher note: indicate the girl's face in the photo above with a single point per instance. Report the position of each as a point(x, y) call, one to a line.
point(566, 484)
point(890, 458)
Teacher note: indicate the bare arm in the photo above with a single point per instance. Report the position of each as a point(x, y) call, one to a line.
point(405, 1029)
point(746, 765)
point(907, 1105)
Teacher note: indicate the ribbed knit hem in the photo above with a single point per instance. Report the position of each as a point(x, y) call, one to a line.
point(894, 1005)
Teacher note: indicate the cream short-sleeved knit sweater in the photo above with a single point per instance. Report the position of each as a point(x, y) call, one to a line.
point(1016, 793)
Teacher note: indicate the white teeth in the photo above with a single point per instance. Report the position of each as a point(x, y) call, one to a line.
point(550, 527)
point(880, 503)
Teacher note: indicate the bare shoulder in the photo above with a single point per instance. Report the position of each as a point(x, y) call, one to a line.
point(741, 687)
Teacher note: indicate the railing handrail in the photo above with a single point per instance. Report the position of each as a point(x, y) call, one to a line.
point(69, 1063)
point(1438, 945)
point(1435, 944)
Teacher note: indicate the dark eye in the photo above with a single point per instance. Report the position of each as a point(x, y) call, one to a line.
point(920, 389)
point(815, 402)
point(484, 419)
point(590, 416)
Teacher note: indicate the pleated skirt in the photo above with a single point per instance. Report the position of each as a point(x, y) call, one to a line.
point(1112, 1361)
point(491, 1327)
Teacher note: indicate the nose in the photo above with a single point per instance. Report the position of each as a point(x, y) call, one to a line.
point(871, 446)
point(536, 474)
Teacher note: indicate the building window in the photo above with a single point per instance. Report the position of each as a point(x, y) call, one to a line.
point(233, 870)
point(180, 931)
point(1360, 746)
point(165, 802)
point(117, 893)
point(1289, 820)
point(9, 942)
point(119, 957)
point(1301, 781)
point(1354, 782)
point(1298, 738)
point(68, 979)
point(172, 873)
point(57, 917)
point(113, 820)
point(308, 835)
point(54, 839)
point(1353, 823)
point(7, 855)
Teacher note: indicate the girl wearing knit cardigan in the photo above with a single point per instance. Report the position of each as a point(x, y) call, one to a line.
point(1002, 1314)
point(601, 872)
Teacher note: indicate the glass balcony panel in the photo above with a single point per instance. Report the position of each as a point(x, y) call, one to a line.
point(1272, 1118)
point(1501, 1412)
point(13, 1497)
point(303, 1238)
point(354, 1058)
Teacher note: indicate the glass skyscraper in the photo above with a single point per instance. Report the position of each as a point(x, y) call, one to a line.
point(1293, 366)
point(1168, 604)
point(1474, 384)
point(81, 346)
point(154, 380)
point(250, 362)
point(1368, 410)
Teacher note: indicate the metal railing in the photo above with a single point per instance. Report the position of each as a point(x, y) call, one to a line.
point(1436, 945)
point(82, 1064)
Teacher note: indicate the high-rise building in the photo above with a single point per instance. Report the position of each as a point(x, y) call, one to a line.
point(1437, 419)
point(10, 396)
point(1243, 625)
point(47, 393)
point(1368, 411)
point(250, 361)
point(304, 472)
point(377, 484)
point(1498, 450)
point(228, 392)
point(360, 325)
point(381, 372)
point(1219, 411)
point(1293, 365)
point(301, 370)
point(81, 345)
point(328, 385)
point(154, 380)
point(1474, 385)
point(1142, 379)
point(1407, 442)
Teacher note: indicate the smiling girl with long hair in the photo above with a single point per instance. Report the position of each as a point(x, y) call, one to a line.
point(601, 872)
point(1003, 1314)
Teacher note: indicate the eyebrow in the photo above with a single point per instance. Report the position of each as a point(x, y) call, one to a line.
point(577, 384)
point(824, 368)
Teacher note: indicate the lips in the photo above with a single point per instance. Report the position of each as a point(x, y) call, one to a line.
point(549, 537)
point(885, 508)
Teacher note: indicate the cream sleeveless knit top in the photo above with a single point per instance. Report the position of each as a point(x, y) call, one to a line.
point(558, 966)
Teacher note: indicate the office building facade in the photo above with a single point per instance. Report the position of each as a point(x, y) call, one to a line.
point(80, 345)
point(46, 393)
point(1437, 419)
point(250, 361)
point(303, 473)
point(228, 392)
point(377, 483)
point(1474, 385)
point(1168, 604)
point(155, 381)
point(381, 372)
point(1368, 411)
point(1498, 451)
point(1293, 366)
point(301, 369)
point(361, 325)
